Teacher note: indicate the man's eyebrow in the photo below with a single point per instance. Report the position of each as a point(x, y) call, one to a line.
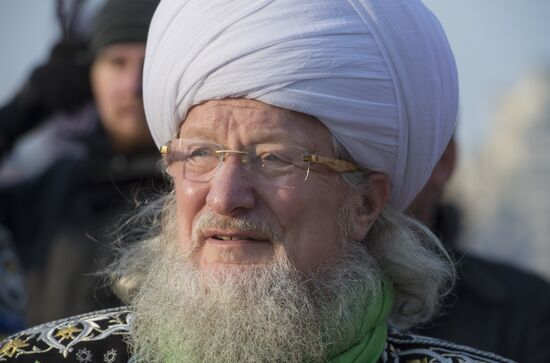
point(271, 136)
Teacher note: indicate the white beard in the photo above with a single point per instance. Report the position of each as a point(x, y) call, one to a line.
point(271, 313)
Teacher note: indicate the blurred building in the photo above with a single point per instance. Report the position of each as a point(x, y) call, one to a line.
point(505, 190)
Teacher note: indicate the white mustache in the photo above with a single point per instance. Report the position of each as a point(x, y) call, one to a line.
point(245, 224)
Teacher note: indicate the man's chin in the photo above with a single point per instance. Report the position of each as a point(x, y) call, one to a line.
point(221, 270)
point(218, 259)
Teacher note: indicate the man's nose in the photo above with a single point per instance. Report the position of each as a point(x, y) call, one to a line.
point(231, 191)
point(133, 78)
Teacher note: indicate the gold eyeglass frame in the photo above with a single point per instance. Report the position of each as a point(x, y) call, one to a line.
point(335, 165)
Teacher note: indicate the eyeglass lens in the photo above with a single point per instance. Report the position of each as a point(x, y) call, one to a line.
point(271, 164)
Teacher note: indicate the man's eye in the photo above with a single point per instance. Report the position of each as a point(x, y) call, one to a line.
point(273, 159)
point(200, 153)
point(117, 62)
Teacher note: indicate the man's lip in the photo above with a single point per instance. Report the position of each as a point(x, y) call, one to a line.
point(234, 236)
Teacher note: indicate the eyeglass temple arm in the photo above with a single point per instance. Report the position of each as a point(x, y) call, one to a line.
point(337, 165)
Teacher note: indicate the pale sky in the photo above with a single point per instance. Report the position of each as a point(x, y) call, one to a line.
point(494, 41)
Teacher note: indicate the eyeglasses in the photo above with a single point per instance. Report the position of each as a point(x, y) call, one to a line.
point(281, 165)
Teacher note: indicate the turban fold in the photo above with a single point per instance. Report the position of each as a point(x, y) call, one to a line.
point(379, 74)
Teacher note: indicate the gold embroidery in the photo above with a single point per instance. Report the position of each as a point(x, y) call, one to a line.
point(11, 347)
point(64, 335)
point(423, 360)
point(67, 333)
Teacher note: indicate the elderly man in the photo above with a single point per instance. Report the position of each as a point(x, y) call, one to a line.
point(295, 133)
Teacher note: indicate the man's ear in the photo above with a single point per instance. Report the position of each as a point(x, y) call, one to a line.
point(374, 202)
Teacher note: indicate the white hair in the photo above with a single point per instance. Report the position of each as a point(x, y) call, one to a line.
point(408, 253)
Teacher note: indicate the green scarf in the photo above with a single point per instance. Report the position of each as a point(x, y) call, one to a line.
point(369, 345)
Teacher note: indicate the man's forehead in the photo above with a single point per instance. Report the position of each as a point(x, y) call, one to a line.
point(123, 49)
point(242, 108)
point(254, 118)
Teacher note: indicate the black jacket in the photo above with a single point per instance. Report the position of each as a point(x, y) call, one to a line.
point(493, 306)
point(63, 219)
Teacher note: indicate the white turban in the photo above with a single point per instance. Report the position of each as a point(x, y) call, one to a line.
point(378, 73)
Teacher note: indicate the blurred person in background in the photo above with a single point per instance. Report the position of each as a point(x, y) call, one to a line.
point(493, 306)
point(60, 86)
point(94, 161)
